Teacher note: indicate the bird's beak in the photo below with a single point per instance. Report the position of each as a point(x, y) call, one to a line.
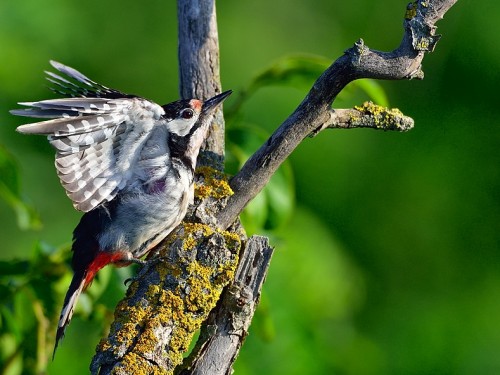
point(216, 100)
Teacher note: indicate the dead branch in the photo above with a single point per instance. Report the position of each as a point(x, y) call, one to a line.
point(313, 113)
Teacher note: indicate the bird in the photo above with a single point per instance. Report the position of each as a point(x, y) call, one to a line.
point(125, 161)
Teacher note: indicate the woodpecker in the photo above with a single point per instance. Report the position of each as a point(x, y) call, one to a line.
point(126, 162)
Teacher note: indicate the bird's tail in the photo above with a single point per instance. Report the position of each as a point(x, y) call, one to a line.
point(76, 287)
point(84, 274)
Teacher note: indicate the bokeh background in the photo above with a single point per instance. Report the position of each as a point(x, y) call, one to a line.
point(387, 260)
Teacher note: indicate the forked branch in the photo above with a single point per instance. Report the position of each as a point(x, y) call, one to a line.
point(313, 113)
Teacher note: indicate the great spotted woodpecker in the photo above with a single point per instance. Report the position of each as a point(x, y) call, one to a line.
point(127, 162)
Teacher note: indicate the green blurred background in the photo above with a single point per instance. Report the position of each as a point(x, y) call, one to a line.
point(389, 261)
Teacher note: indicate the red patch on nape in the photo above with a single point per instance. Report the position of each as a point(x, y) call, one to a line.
point(102, 259)
point(196, 104)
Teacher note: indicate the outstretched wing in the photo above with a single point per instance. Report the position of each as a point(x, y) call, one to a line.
point(98, 133)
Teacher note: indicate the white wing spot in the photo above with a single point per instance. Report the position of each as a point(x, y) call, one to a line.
point(82, 184)
point(71, 128)
point(86, 124)
point(87, 194)
point(94, 173)
point(101, 120)
point(116, 117)
point(89, 140)
point(94, 202)
point(97, 183)
point(108, 132)
point(104, 191)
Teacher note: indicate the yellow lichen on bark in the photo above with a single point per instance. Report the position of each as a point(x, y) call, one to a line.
point(382, 117)
point(214, 184)
point(188, 290)
point(411, 10)
point(135, 364)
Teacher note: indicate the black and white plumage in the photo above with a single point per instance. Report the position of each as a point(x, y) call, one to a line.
point(126, 162)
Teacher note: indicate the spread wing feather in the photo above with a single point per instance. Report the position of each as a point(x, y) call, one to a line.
point(98, 134)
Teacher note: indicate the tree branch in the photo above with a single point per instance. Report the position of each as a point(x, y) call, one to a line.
point(368, 115)
point(173, 295)
point(313, 113)
point(199, 68)
point(223, 334)
point(167, 302)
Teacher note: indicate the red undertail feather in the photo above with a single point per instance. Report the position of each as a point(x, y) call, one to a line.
point(81, 280)
point(102, 259)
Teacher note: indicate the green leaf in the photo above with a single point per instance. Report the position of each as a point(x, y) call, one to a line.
point(242, 142)
point(274, 205)
point(254, 216)
point(9, 322)
point(14, 267)
point(374, 91)
point(300, 72)
point(9, 171)
point(10, 192)
point(263, 323)
point(280, 195)
point(100, 283)
point(48, 265)
point(295, 71)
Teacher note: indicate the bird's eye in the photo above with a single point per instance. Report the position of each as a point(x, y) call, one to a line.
point(187, 113)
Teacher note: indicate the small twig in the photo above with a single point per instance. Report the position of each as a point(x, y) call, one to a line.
point(368, 115)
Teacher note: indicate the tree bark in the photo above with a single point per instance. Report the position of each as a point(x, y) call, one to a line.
point(199, 68)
